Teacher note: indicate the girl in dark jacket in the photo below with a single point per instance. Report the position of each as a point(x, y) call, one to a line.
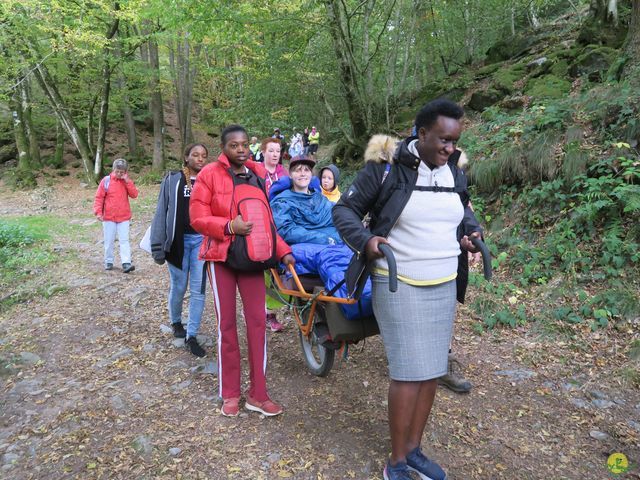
point(174, 240)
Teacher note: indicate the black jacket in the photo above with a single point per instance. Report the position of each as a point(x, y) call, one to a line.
point(384, 201)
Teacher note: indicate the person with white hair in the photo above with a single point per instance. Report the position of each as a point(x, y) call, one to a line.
point(111, 206)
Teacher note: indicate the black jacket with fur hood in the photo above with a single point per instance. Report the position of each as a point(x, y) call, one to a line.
point(383, 194)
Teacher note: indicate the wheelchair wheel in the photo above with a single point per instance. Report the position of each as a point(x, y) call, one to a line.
point(318, 358)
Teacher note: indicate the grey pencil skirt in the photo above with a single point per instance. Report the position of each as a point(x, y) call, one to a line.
point(416, 324)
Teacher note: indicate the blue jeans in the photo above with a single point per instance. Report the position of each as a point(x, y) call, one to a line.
point(110, 229)
point(191, 272)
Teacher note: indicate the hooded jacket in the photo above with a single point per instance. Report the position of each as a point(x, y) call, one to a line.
point(381, 190)
point(165, 221)
point(332, 195)
point(113, 203)
point(301, 217)
point(210, 208)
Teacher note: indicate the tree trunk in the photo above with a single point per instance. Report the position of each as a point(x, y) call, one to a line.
point(155, 106)
point(391, 69)
point(606, 11)
point(29, 127)
point(129, 122)
point(58, 156)
point(90, 125)
point(632, 42)
point(347, 72)
point(409, 42)
point(438, 41)
point(102, 122)
point(127, 114)
point(104, 100)
point(533, 17)
point(183, 75)
point(50, 90)
point(22, 141)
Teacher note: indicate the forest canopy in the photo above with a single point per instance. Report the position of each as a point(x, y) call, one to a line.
point(349, 67)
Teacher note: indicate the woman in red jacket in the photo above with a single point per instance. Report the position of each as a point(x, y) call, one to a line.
point(111, 206)
point(210, 213)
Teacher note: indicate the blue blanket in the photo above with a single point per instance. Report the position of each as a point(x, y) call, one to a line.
point(330, 262)
point(301, 217)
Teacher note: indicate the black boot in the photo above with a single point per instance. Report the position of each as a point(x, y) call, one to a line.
point(178, 330)
point(194, 347)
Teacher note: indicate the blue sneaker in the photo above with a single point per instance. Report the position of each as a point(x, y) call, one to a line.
point(427, 469)
point(399, 471)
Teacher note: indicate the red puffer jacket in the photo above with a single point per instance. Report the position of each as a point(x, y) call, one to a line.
point(113, 203)
point(210, 209)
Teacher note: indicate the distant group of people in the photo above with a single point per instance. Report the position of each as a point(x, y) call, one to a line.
point(416, 199)
point(305, 143)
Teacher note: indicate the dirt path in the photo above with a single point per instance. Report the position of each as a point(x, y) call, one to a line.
point(93, 388)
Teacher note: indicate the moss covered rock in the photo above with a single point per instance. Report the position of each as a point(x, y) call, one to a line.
point(484, 99)
point(508, 48)
point(559, 68)
point(8, 152)
point(505, 78)
point(513, 103)
point(593, 31)
point(593, 62)
point(547, 86)
point(487, 70)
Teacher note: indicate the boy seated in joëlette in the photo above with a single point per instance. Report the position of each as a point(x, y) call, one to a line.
point(300, 211)
point(303, 218)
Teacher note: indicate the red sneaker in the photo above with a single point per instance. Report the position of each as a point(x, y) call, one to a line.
point(273, 323)
point(267, 408)
point(230, 407)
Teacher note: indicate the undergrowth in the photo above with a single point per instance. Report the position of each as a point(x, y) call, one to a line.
point(25, 250)
point(562, 209)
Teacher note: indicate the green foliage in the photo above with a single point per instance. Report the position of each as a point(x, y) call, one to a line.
point(547, 86)
point(25, 248)
point(18, 179)
point(505, 78)
point(20, 249)
point(578, 230)
point(593, 62)
point(150, 178)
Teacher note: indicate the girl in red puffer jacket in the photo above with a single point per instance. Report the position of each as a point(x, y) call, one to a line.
point(210, 213)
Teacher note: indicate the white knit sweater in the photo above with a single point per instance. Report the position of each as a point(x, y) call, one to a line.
point(424, 237)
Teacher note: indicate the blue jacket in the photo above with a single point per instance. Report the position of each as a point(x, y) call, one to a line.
point(302, 218)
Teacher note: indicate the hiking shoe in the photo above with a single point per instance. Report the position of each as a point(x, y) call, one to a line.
point(230, 407)
point(108, 266)
point(399, 471)
point(127, 267)
point(273, 323)
point(267, 408)
point(178, 330)
point(427, 469)
point(194, 347)
point(454, 381)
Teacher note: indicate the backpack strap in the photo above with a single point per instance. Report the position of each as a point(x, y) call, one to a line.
point(105, 182)
point(438, 189)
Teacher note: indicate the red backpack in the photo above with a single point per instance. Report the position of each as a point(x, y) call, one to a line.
point(256, 251)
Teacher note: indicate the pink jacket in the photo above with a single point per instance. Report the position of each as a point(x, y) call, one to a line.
point(272, 178)
point(113, 203)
